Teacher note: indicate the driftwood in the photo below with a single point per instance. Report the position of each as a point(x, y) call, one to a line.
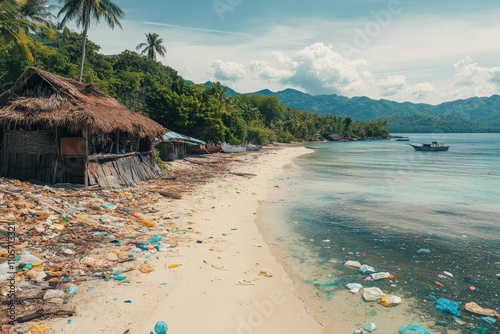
point(172, 194)
point(243, 174)
point(194, 162)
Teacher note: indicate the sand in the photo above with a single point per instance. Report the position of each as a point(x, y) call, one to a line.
point(228, 280)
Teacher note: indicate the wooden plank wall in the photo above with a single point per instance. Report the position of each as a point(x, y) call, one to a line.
point(122, 172)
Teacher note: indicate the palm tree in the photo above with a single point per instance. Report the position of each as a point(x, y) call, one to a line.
point(152, 46)
point(83, 11)
point(14, 26)
point(40, 12)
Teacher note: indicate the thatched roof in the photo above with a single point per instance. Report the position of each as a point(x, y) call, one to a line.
point(40, 97)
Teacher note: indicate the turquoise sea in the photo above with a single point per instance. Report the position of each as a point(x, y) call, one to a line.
point(380, 202)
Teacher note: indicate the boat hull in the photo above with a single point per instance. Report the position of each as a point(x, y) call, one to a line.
point(205, 150)
point(226, 148)
point(430, 148)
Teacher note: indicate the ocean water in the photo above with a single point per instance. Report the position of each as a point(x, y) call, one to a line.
point(380, 202)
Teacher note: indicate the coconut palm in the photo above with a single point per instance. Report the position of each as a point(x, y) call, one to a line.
point(82, 11)
point(39, 11)
point(14, 26)
point(152, 46)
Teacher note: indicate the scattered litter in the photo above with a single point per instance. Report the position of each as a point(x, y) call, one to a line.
point(489, 320)
point(390, 300)
point(475, 308)
point(146, 268)
point(354, 287)
point(366, 269)
point(381, 275)
point(353, 264)
point(372, 294)
point(449, 306)
point(413, 329)
point(245, 282)
point(265, 273)
point(161, 327)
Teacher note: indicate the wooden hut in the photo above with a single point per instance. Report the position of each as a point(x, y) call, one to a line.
point(175, 145)
point(58, 130)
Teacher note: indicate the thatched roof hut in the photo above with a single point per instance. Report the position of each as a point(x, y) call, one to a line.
point(51, 101)
point(55, 129)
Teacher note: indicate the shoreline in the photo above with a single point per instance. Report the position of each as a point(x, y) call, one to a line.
point(227, 279)
point(341, 312)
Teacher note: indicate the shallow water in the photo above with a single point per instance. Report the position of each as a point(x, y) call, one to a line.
point(379, 202)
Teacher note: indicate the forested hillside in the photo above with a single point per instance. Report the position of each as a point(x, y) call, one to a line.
point(476, 114)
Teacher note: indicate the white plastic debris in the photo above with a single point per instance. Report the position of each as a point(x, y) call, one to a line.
point(354, 287)
point(372, 294)
point(353, 264)
point(366, 269)
point(380, 275)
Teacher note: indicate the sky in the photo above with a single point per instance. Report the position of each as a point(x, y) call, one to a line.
point(423, 51)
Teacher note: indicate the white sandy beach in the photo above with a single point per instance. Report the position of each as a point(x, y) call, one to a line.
point(221, 285)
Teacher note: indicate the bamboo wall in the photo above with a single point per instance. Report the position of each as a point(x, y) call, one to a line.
point(122, 171)
point(29, 155)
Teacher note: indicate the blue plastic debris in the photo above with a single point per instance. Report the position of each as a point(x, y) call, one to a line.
point(413, 329)
point(161, 327)
point(489, 320)
point(449, 306)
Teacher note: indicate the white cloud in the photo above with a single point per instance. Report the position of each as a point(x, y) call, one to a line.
point(318, 69)
point(264, 70)
point(470, 78)
point(227, 71)
point(422, 91)
point(392, 85)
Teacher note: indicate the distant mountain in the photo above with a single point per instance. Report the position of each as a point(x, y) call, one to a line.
point(470, 115)
point(230, 92)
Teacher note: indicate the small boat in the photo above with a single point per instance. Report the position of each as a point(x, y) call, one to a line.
point(253, 148)
point(434, 146)
point(403, 139)
point(226, 148)
point(204, 149)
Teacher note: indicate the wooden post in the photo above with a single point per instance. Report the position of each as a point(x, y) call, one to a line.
point(4, 151)
point(57, 159)
point(117, 150)
point(86, 157)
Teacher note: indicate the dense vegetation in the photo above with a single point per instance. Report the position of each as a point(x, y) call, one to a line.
point(475, 114)
point(142, 84)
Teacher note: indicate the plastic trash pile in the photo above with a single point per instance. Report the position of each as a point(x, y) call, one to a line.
point(55, 238)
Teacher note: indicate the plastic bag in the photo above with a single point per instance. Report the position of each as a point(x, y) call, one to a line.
point(413, 329)
point(449, 306)
point(366, 269)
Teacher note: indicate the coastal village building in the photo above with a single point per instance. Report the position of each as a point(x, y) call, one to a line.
point(175, 146)
point(57, 130)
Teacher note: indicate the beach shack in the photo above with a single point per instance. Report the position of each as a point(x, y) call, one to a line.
point(175, 146)
point(57, 130)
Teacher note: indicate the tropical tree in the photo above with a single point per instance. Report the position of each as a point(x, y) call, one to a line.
point(82, 11)
point(39, 11)
point(14, 26)
point(152, 46)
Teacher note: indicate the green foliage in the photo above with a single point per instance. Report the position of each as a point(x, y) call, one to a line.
point(205, 112)
point(157, 149)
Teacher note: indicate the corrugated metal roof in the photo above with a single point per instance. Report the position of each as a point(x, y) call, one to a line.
point(175, 137)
